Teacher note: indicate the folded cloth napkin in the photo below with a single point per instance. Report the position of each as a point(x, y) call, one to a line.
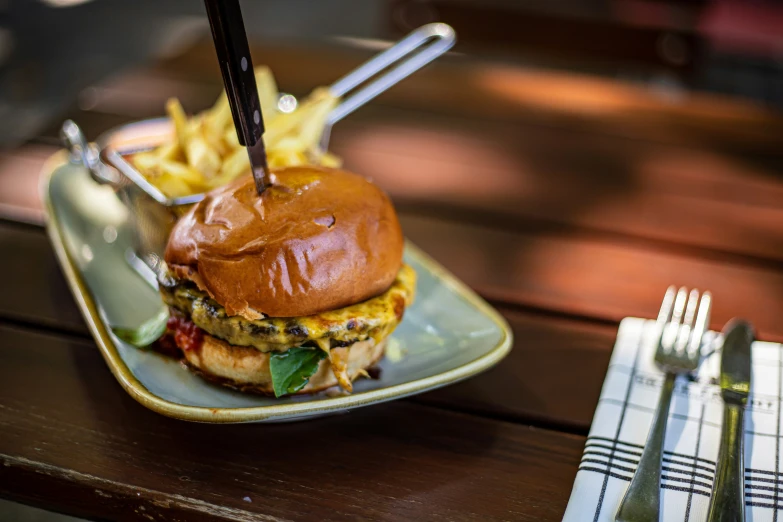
point(624, 414)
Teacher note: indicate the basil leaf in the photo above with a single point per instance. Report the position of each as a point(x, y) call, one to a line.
point(292, 369)
point(147, 333)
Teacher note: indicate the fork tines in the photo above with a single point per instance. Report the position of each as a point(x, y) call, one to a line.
point(682, 322)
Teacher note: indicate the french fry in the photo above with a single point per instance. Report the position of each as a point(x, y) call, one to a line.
point(205, 152)
point(148, 163)
point(306, 123)
point(201, 156)
point(267, 93)
point(172, 186)
point(182, 171)
point(219, 116)
point(288, 144)
point(170, 151)
point(232, 138)
point(287, 159)
point(180, 120)
point(214, 136)
point(226, 177)
point(325, 159)
point(235, 164)
point(313, 126)
point(281, 126)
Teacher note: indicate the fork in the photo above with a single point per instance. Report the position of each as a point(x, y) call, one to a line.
point(681, 324)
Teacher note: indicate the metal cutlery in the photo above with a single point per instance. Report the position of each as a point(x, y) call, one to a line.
point(359, 86)
point(682, 322)
point(728, 491)
point(233, 51)
point(153, 213)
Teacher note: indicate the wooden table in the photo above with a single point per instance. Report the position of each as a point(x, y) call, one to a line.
point(567, 202)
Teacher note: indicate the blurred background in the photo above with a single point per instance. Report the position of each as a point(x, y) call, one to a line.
point(55, 53)
point(650, 125)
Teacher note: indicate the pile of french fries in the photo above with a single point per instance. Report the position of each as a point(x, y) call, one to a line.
point(205, 153)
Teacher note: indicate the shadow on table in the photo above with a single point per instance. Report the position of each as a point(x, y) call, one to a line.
point(398, 445)
point(22, 513)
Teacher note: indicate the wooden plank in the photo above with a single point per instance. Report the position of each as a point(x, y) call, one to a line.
point(593, 278)
point(483, 90)
point(515, 175)
point(567, 275)
point(34, 290)
point(551, 378)
point(596, 42)
point(550, 355)
point(564, 275)
point(470, 87)
point(19, 182)
point(72, 439)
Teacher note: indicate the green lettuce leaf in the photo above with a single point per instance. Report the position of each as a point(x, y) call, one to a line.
point(292, 369)
point(146, 333)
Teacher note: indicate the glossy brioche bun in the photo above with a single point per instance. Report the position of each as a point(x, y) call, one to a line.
point(246, 369)
point(317, 239)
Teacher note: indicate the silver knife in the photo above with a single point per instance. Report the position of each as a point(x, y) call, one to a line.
point(728, 491)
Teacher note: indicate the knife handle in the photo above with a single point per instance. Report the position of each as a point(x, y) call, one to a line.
point(728, 491)
point(233, 52)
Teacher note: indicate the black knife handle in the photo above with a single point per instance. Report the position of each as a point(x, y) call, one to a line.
point(233, 52)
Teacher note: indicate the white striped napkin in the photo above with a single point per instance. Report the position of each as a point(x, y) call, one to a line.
point(624, 414)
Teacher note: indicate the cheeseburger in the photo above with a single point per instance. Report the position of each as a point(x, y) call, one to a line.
point(292, 291)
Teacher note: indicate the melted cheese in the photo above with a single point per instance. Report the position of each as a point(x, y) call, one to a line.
point(324, 344)
point(375, 318)
point(333, 331)
point(339, 361)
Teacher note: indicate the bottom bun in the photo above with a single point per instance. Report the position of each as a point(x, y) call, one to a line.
point(246, 369)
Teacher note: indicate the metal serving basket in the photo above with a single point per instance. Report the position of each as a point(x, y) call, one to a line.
point(153, 214)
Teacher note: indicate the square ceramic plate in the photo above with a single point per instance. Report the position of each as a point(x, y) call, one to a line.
point(448, 334)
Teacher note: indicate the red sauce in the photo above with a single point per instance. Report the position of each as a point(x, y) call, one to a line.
point(166, 346)
point(187, 336)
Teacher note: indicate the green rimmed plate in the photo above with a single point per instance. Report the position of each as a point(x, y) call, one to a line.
point(449, 333)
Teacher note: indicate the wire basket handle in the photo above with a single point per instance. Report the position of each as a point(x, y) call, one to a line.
point(405, 56)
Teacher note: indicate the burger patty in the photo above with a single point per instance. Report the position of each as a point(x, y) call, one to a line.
point(374, 318)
